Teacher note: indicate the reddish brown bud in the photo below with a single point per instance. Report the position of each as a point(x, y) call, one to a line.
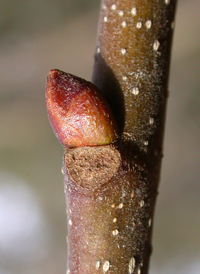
point(78, 113)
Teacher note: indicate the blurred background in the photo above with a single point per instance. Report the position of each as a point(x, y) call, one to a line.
point(36, 36)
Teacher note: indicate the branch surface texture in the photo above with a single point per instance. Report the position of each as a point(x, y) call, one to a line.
point(112, 133)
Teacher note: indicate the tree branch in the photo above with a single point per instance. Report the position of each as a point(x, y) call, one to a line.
point(111, 189)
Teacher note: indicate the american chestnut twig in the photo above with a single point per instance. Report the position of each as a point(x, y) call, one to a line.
point(111, 168)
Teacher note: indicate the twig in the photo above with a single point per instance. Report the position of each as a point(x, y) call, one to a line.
point(111, 189)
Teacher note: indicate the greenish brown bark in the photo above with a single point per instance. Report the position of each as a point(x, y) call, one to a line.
point(110, 217)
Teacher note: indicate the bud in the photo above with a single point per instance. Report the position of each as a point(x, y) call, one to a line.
point(78, 113)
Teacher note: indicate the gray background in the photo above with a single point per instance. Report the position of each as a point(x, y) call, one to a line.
point(36, 36)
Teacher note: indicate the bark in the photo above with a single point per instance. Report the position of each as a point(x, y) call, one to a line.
point(111, 190)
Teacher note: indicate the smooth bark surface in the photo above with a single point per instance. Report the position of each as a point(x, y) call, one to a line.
point(110, 217)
